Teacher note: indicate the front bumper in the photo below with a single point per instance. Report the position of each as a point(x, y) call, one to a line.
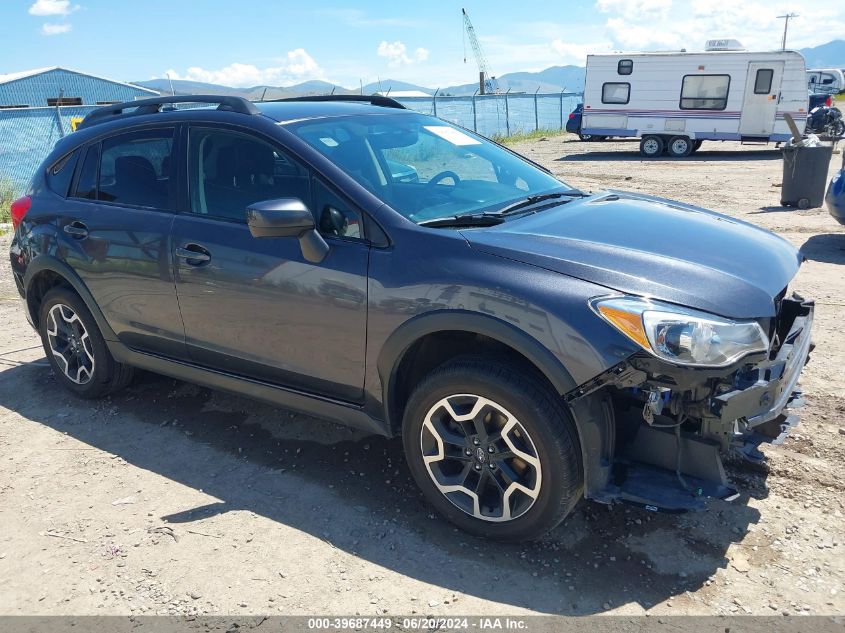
point(764, 391)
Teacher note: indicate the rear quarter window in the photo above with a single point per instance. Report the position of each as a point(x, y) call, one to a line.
point(60, 173)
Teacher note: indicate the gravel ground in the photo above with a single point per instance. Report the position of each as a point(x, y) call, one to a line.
point(173, 499)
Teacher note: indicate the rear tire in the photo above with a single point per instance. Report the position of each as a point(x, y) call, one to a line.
point(493, 449)
point(651, 146)
point(679, 147)
point(75, 348)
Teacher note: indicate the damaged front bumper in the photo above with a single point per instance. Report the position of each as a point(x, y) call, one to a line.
point(670, 458)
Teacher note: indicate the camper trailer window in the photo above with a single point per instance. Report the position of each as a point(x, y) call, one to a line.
point(763, 81)
point(615, 92)
point(705, 92)
point(625, 66)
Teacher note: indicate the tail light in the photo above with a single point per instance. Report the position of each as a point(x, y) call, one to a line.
point(828, 102)
point(571, 115)
point(19, 209)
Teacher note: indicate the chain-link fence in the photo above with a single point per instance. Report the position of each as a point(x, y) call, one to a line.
point(500, 115)
point(27, 135)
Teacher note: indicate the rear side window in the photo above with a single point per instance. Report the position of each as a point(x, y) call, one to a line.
point(60, 173)
point(86, 184)
point(615, 92)
point(763, 81)
point(135, 169)
point(705, 92)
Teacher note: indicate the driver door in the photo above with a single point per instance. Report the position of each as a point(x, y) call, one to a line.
point(255, 307)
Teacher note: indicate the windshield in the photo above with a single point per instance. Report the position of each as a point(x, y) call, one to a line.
point(423, 167)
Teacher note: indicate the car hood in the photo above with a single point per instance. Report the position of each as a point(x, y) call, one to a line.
point(652, 247)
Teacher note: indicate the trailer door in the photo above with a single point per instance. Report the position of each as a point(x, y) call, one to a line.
point(762, 95)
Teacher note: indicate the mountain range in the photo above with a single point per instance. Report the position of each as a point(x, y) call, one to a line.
point(553, 79)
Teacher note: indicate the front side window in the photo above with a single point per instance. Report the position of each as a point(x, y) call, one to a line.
point(135, 169)
point(423, 167)
point(615, 92)
point(763, 81)
point(705, 92)
point(228, 171)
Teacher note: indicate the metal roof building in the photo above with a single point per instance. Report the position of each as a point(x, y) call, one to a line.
point(38, 107)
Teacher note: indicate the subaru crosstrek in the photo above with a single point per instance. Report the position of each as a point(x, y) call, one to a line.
point(533, 344)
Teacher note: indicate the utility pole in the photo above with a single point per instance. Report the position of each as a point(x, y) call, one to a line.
point(786, 17)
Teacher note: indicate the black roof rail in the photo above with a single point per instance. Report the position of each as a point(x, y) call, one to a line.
point(154, 104)
point(376, 100)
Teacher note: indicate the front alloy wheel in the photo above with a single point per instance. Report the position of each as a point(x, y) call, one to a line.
point(493, 448)
point(480, 457)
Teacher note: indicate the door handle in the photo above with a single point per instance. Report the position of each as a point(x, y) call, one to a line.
point(193, 254)
point(76, 229)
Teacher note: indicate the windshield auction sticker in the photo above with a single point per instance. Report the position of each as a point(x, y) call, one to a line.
point(455, 137)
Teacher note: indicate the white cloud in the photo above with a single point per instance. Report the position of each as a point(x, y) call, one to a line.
point(52, 7)
point(49, 28)
point(663, 24)
point(397, 54)
point(634, 8)
point(297, 66)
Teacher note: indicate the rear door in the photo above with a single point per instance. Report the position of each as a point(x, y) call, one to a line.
point(256, 307)
point(762, 96)
point(116, 230)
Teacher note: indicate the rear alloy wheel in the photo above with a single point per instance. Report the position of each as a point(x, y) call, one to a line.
point(586, 137)
point(493, 451)
point(70, 344)
point(651, 146)
point(679, 147)
point(75, 348)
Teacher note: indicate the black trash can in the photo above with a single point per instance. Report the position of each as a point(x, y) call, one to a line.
point(805, 175)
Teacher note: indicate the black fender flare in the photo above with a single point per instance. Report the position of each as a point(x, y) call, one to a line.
point(593, 417)
point(52, 264)
point(393, 350)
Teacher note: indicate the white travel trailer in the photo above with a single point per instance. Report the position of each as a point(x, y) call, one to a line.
point(826, 80)
point(673, 101)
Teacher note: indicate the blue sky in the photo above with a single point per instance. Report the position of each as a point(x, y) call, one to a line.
point(281, 42)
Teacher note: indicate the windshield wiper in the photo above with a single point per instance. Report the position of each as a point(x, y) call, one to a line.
point(467, 219)
point(530, 200)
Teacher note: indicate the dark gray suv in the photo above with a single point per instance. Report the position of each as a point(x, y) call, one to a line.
point(531, 343)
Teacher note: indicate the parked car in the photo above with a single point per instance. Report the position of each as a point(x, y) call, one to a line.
point(573, 125)
point(835, 197)
point(532, 344)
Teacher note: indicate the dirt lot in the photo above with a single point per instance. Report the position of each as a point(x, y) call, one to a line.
point(170, 498)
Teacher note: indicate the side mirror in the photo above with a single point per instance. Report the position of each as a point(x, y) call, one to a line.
point(287, 217)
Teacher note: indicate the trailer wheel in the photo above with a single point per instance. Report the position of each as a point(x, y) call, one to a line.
point(679, 147)
point(651, 146)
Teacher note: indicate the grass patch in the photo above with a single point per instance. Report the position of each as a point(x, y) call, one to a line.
point(7, 197)
point(527, 136)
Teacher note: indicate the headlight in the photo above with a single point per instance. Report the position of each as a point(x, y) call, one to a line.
point(684, 337)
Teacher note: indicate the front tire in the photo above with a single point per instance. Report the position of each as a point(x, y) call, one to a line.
point(492, 449)
point(651, 146)
point(75, 348)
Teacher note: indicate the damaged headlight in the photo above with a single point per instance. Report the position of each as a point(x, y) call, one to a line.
point(681, 336)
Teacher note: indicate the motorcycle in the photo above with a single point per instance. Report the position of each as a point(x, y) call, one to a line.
point(827, 120)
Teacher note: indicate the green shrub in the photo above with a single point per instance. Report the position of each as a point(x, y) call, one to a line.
point(7, 196)
point(533, 135)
